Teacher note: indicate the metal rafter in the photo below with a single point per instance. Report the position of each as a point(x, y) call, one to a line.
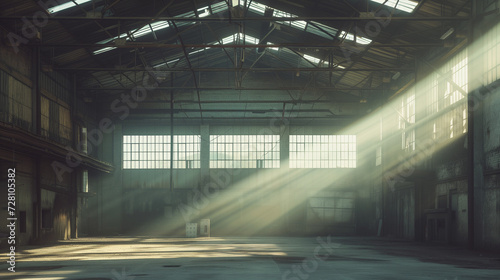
point(362, 52)
point(272, 19)
point(190, 66)
point(233, 88)
point(291, 69)
point(156, 45)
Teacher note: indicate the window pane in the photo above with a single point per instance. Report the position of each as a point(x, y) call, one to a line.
point(243, 151)
point(320, 151)
point(153, 151)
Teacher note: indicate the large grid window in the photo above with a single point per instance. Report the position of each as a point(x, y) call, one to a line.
point(244, 151)
point(153, 151)
point(322, 151)
point(15, 102)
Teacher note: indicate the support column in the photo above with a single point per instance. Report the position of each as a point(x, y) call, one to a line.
point(37, 218)
point(284, 146)
point(475, 150)
point(171, 133)
point(110, 199)
point(287, 192)
point(74, 177)
point(205, 150)
point(37, 123)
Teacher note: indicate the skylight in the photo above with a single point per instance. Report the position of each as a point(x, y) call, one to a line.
point(185, 15)
point(278, 13)
point(313, 27)
point(232, 38)
point(249, 39)
point(228, 39)
point(312, 58)
point(67, 5)
point(196, 51)
point(155, 26)
point(160, 64)
point(173, 61)
point(359, 39)
point(218, 7)
point(158, 25)
point(257, 8)
point(103, 50)
point(168, 63)
point(298, 24)
point(403, 5)
point(203, 12)
point(322, 30)
point(272, 48)
point(106, 49)
point(320, 62)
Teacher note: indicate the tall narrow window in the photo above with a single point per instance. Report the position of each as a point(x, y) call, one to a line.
point(378, 156)
point(406, 120)
point(85, 181)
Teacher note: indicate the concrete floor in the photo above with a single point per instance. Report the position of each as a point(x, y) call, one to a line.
point(136, 258)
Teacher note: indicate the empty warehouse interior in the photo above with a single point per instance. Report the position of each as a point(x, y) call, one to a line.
point(207, 139)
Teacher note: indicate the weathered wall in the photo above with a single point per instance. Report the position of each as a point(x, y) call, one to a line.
point(247, 201)
point(491, 202)
point(55, 209)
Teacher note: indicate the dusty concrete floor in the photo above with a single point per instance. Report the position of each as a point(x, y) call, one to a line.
point(136, 258)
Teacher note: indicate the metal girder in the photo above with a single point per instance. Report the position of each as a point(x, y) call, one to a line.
point(190, 66)
point(329, 118)
point(255, 111)
point(302, 69)
point(234, 88)
point(333, 45)
point(226, 19)
point(293, 101)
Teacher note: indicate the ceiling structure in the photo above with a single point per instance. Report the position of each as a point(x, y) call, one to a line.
point(243, 59)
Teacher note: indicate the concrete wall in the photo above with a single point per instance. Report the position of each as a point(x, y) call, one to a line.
point(56, 200)
point(487, 131)
point(40, 195)
point(447, 161)
point(239, 201)
point(24, 193)
point(491, 202)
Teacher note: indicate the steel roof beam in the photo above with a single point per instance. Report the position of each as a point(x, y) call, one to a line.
point(255, 111)
point(232, 88)
point(302, 69)
point(226, 19)
point(332, 45)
